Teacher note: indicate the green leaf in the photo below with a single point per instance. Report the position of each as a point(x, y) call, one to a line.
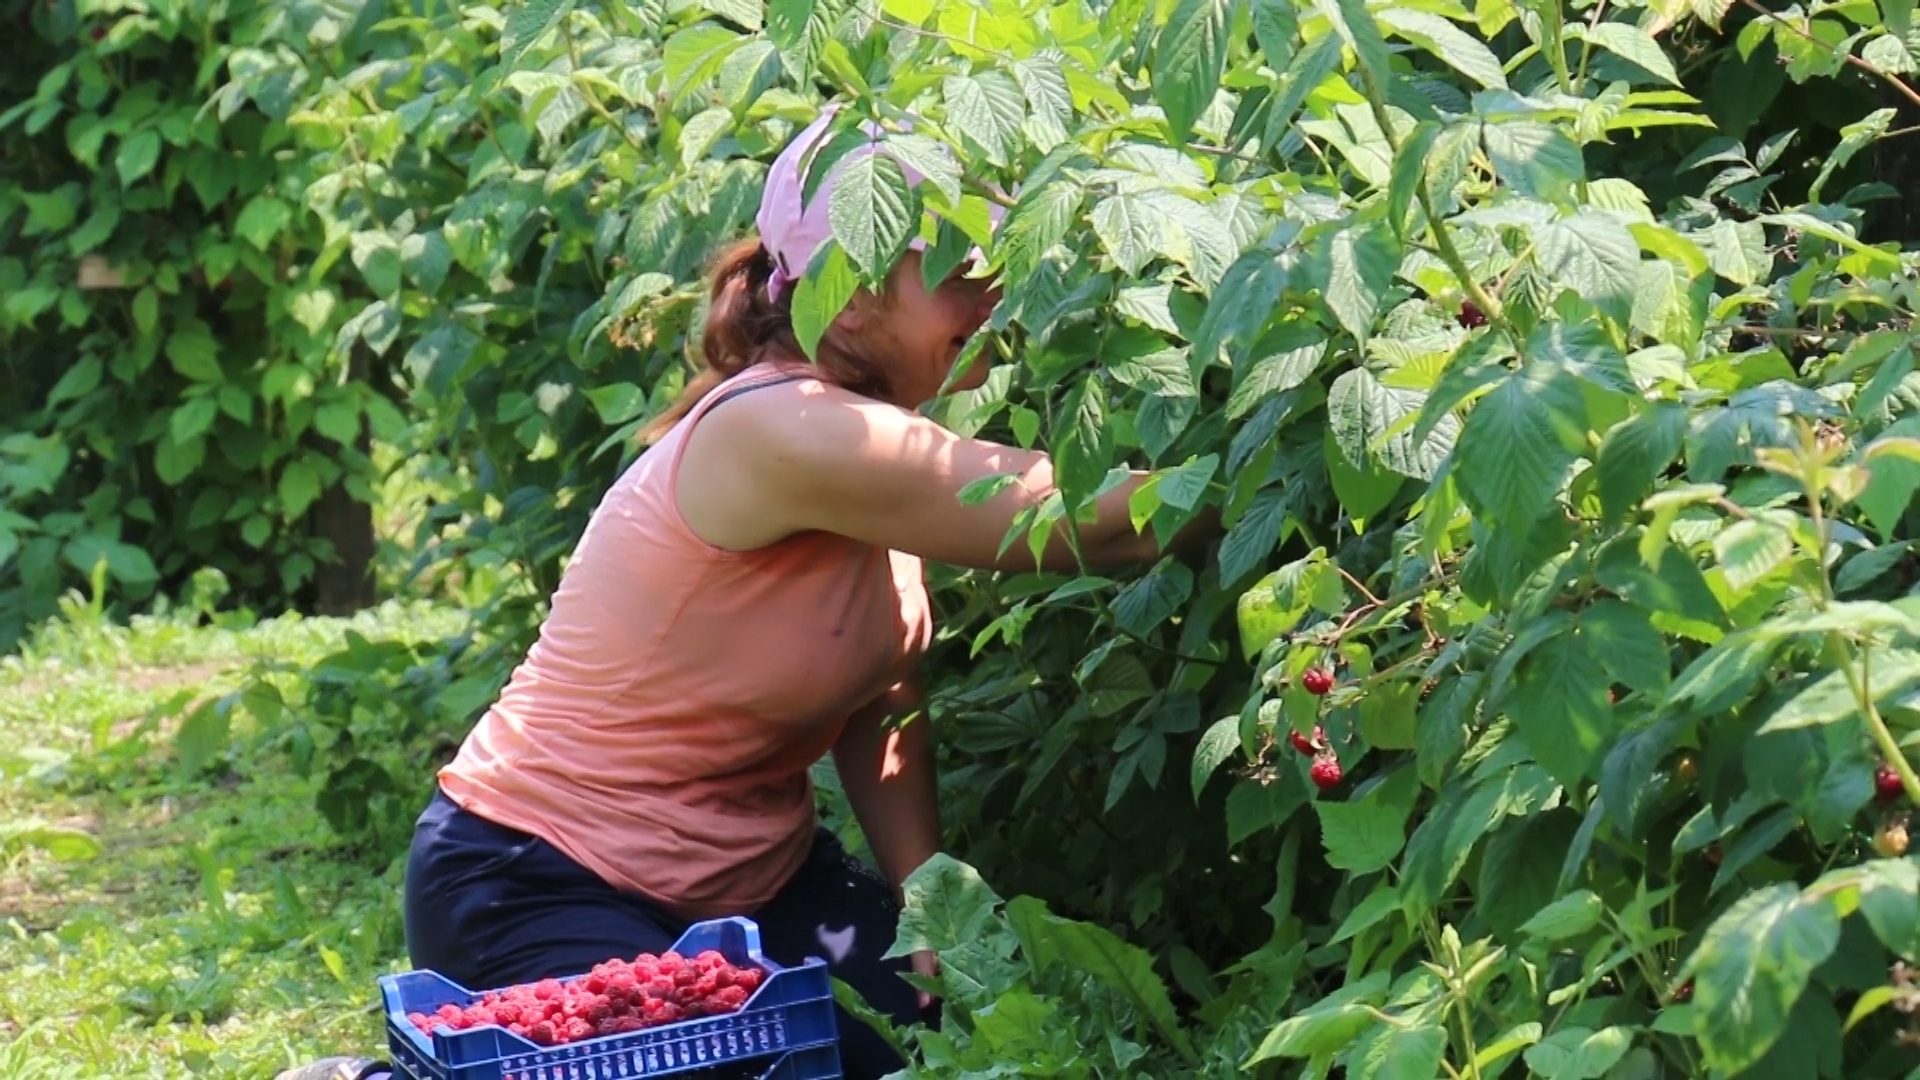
point(1560, 706)
point(1737, 251)
point(873, 212)
point(695, 55)
point(1086, 445)
point(1887, 889)
point(1275, 28)
point(1364, 836)
point(1577, 1053)
point(823, 292)
point(1568, 917)
point(263, 219)
point(1094, 951)
point(194, 352)
point(1635, 45)
point(1628, 645)
point(1372, 423)
point(202, 736)
point(138, 154)
point(987, 109)
point(1538, 160)
point(1751, 967)
point(931, 159)
point(1132, 229)
point(377, 256)
point(1636, 453)
point(1409, 173)
point(1253, 537)
point(1356, 27)
point(1391, 1052)
point(1892, 481)
point(947, 904)
point(1448, 43)
point(1750, 549)
point(1361, 261)
point(193, 418)
point(1049, 98)
point(1593, 254)
point(1328, 1025)
point(1275, 604)
point(1830, 698)
point(1188, 58)
point(1287, 362)
point(1151, 600)
point(1216, 746)
point(299, 487)
point(528, 24)
point(1383, 901)
point(1516, 1039)
point(1510, 460)
point(426, 257)
point(61, 843)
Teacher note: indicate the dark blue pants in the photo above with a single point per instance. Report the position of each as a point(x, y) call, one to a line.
point(488, 906)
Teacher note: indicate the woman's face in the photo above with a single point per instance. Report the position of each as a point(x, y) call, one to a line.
point(918, 335)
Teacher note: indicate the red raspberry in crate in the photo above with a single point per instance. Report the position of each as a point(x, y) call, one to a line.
point(541, 1033)
point(748, 978)
point(579, 1028)
point(669, 963)
point(711, 960)
point(729, 998)
point(548, 989)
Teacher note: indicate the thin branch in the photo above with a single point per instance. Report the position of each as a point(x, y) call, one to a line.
point(1892, 80)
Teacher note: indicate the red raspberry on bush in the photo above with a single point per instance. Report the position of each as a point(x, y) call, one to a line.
point(1317, 681)
point(1308, 745)
point(1470, 317)
point(1325, 772)
point(1886, 784)
point(1683, 993)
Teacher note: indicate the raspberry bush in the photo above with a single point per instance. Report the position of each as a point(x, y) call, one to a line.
point(1561, 413)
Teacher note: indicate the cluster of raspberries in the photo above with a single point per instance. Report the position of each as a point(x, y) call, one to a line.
point(615, 998)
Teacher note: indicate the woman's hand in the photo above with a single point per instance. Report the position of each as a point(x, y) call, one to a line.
point(927, 963)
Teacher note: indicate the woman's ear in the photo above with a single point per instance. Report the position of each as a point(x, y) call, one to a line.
point(854, 317)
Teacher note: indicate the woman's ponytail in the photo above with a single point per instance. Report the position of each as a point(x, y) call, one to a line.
point(744, 326)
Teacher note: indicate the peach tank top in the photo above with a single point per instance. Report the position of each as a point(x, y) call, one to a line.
point(661, 730)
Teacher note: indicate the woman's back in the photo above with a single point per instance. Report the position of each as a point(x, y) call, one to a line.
point(661, 728)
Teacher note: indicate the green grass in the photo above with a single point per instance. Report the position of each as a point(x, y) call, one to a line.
point(159, 924)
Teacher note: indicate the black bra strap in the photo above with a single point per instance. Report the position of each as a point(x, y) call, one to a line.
point(735, 391)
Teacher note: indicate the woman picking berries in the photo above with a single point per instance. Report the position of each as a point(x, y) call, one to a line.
point(746, 600)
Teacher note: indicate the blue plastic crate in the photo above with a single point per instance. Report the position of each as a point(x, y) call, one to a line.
point(786, 1030)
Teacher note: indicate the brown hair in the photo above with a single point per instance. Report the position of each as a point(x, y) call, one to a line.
point(744, 327)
